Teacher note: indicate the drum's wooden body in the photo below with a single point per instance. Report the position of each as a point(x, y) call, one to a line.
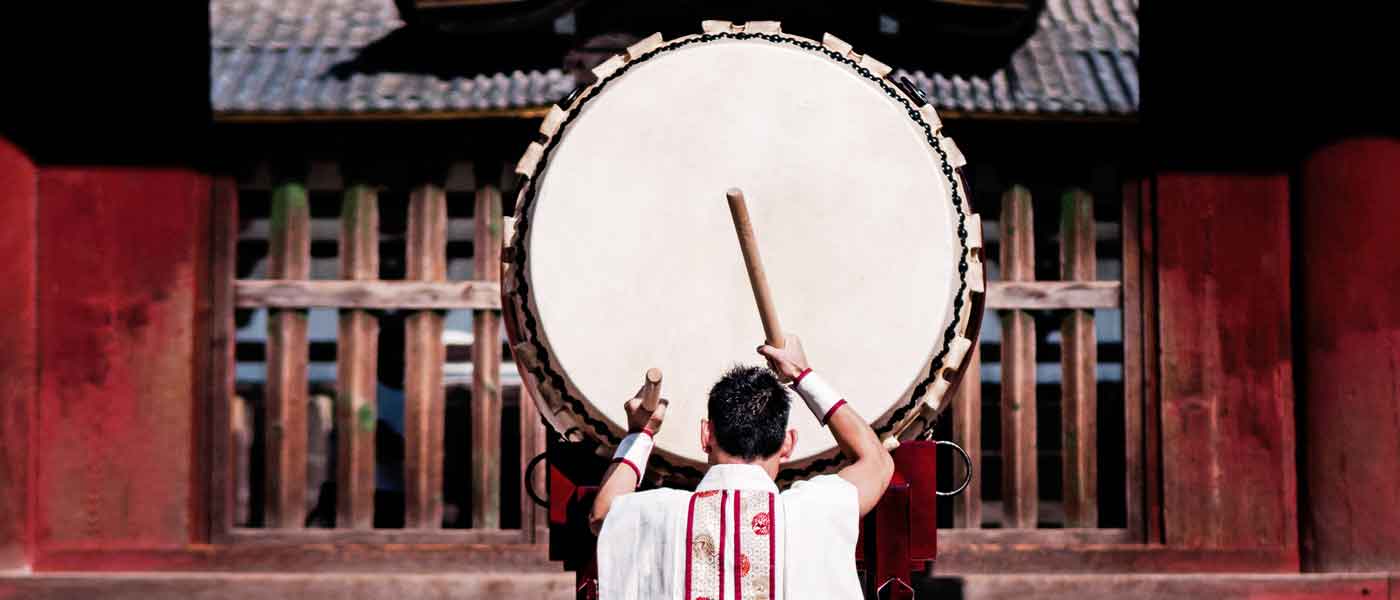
point(623, 256)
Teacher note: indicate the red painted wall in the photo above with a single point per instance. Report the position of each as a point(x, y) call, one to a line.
point(1228, 464)
point(1349, 272)
point(122, 263)
point(18, 352)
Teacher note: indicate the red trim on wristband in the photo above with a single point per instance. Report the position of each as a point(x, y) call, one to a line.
point(647, 430)
point(838, 404)
point(634, 468)
point(797, 380)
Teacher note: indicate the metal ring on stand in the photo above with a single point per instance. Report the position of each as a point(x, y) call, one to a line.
point(529, 477)
point(967, 461)
point(879, 592)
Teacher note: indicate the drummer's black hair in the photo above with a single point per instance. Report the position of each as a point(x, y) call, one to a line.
point(749, 412)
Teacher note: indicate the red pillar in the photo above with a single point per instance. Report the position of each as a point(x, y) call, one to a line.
point(18, 353)
point(1349, 234)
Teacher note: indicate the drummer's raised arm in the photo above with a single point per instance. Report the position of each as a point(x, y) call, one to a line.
point(644, 417)
point(873, 467)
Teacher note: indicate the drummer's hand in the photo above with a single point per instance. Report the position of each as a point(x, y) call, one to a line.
point(640, 419)
point(789, 361)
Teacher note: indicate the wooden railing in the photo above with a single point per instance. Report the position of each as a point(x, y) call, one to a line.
point(1016, 297)
point(358, 294)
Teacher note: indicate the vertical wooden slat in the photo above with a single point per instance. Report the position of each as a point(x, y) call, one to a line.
point(1132, 360)
point(486, 371)
point(289, 258)
point(357, 355)
point(1018, 440)
point(241, 428)
point(228, 455)
point(424, 354)
point(1152, 368)
point(320, 420)
point(967, 432)
point(1078, 358)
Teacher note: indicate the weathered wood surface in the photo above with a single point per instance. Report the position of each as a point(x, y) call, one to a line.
point(424, 354)
point(357, 365)
point(1019, 485)
point(308, 558)
point(254, 293)
point(1227, 361)
point(1361, 586)
point(967, 432)
point(1049, 295)
point(122, 252)
point(1079, 401)
point(230, 421)
point(486, 374)
point(1350, 379)
point(1133, 364)
point(303, 586)
point(19, 370)
point(997, 559)
point(285, 439)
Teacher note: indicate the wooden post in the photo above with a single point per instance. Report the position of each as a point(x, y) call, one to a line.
point(1078, 358)
point(230, 422)
point(1133, 364)
point(424, 354)
point(967, 432)
point(1018, 440)
point(357, 356)
point(486, 371)
point(289, 258)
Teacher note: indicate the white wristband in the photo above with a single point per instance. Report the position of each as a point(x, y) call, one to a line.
point(634, 451)
point(821, 398)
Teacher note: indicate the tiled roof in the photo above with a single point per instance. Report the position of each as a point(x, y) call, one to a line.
point(276, 57)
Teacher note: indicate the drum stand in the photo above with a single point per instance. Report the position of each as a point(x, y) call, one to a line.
point(898, 539)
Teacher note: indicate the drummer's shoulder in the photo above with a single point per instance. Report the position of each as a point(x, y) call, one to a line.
point(653, 498)
point(821, 485)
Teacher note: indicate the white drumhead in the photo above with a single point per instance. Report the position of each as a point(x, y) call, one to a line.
point(634, 263)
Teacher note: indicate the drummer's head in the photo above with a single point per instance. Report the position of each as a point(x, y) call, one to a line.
point(748, 417)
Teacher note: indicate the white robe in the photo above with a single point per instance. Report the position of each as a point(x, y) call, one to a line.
point(747, 541)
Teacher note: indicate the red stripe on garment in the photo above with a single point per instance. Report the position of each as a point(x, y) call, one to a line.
point(689, 542)
point(772, 549)
point(829, 412)
point(634, 468)
point(738, 550)
point(722, 499)
point(798, 380)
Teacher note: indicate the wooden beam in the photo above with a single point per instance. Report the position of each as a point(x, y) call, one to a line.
point(229, 440)
point(327, 551)
point(283, 293)
point(1019, 487)
point(424, 354)
point(486, 374)
point(1078, 358)
point(1151, 371)
point(1361, 586)
point(1133, 392)
point(285, 452)
point(1228, 429)
point(1035, 537)
point(1005, 559)
point(357, 365)
point(249, 586)
point(19, 370)
point(1054, 295)
point(420, 536)
point(967, 432)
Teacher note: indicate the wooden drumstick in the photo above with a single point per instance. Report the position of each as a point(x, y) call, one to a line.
point(651, 390)
point(757, 280)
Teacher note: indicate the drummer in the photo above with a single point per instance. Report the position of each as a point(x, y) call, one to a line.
point(736, 536)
